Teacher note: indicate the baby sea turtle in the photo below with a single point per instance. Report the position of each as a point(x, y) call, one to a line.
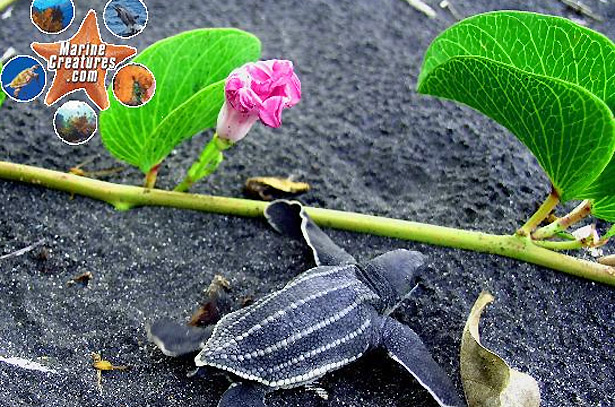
point(22, 79)
point(322, 320)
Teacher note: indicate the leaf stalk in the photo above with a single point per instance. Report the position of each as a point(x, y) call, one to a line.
point(150, 177)
point(541, 214)
point(576, 215)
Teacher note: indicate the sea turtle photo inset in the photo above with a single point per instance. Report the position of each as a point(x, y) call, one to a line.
point(134, 85)
point(23, 78)
point(52, 16)
point(75, 122)
point(125, 18)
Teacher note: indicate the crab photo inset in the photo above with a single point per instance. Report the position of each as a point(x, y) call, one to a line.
point(134, 85)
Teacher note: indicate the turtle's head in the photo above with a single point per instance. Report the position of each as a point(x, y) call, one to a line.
point(393, 275)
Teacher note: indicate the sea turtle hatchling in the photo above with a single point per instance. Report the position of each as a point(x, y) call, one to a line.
point(322, 320)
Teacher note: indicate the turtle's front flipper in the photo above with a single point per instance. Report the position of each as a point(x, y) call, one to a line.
point(175, 339)
point(289, 218)
point(244, 395)
point(406, 348)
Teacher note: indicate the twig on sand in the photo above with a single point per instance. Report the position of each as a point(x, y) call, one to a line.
point(422, 7)
point(581, 8)
point(27, 364)
point(8, 54)
point(22, 251)
point(447, 5)
point(7, 13)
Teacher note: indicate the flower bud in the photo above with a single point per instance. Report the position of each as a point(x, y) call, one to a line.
point(259, 90)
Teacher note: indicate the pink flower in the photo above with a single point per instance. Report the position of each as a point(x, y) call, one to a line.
point(259, 90)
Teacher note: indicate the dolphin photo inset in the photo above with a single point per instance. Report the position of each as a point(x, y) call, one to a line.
point(125, 18)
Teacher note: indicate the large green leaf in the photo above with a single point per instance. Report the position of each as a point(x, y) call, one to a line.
point(549, 81)
point(190, 69)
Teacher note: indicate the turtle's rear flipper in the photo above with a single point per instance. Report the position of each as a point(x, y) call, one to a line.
point(407, 349)
point(244, 395)
point(289, 218)
point(175, 339)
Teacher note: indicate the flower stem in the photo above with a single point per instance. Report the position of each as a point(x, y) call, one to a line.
point(150, 177)
point(515, 246)
point(541, 214)
point(208, 162)
point(563, 223)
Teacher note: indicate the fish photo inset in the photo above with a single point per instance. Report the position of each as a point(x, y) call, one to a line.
point(134, 85)
point(125, 18)
point(75, 122)
point(23, 78)
point(52, 16)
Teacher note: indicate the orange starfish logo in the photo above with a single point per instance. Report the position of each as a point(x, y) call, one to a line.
point(82, 63)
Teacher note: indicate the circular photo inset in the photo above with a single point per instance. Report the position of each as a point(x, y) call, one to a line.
point(125, 18)
point(75, 122)
point(23, 78)
point(52, 16)
point(134, 85)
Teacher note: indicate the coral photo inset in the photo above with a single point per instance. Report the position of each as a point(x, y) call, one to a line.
point(23, 78)
point(125, 18)
point(134, 85)
point(52, 16)
point(75, 122)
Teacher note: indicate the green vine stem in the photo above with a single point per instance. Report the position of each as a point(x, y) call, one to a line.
point(541, 214)
point(208, 162)
point(5, 3)
point(514, 246)
point(576, 215)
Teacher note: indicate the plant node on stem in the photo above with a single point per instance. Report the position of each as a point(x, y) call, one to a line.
point(576, 215)
point(541, 214)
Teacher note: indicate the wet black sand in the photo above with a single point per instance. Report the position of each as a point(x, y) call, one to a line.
point(366, 142)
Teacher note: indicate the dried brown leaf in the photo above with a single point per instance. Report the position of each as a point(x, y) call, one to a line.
point(488, 381)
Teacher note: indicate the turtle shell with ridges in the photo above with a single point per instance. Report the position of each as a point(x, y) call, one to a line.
point(318, 323)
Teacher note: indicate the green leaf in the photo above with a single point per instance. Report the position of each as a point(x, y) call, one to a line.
point(2, 94)
point(549, 81)
point(610, 233)
point(190, 69)
point(488, 381)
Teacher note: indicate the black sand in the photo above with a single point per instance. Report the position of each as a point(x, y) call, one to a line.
point(366, 142)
